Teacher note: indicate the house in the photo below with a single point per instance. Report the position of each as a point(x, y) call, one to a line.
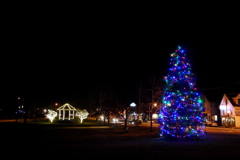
point(212, 113)
point(222, 105)
point(230, 110)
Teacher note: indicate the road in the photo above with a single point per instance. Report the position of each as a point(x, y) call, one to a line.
point(215, 130)
point(222, 130)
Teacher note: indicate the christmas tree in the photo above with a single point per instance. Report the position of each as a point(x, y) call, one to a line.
point(181, 114)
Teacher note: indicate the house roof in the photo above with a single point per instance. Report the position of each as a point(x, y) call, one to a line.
point(213, 97)
point(216, 93)
point(217, 97)
point(231, 96)
point(233, 103)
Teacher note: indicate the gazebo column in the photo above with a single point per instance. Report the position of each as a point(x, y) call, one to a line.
point(69, 115)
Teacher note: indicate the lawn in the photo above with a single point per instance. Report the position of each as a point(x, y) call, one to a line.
point(44, 140)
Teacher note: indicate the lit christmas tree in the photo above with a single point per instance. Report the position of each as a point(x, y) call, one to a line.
point(181, 114)
point(82, 114)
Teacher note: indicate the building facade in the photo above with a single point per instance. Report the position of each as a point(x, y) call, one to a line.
point(230, 110)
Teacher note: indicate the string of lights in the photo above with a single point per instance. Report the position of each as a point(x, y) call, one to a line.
point(181, 114)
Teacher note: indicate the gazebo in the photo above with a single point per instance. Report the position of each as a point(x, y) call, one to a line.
point(66, 111)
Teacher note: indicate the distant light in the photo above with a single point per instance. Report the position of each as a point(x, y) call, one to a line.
point(115, 120)
point(155, 116)
point(223, 107)
point(133, 104)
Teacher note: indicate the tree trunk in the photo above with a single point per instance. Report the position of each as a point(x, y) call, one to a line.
point(125, 126)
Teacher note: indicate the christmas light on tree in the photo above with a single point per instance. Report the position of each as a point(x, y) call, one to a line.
point(51, 114)
point(181, 114)
point(82, 114)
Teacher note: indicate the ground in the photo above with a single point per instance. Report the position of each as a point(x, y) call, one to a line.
point(67, 141)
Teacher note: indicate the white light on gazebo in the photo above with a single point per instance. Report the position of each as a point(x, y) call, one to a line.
point(66, 111)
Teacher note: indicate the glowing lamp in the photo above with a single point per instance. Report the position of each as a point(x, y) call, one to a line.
point(155, 116)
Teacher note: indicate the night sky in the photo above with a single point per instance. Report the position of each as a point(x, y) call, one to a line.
point(57, 51)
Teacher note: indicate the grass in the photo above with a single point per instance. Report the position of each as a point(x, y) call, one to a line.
point(44, 140)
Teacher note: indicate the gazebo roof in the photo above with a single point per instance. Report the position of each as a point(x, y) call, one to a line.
point(67, 106)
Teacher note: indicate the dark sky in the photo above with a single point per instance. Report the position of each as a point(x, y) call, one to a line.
point(53, 50)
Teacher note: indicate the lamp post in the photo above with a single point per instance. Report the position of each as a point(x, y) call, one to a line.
point(133, 105)
point(153, 105)
point(126, 113)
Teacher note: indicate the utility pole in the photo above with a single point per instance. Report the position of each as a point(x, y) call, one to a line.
point(151, 113)
point(139, 102)
point(25, 113)
point(152, 89)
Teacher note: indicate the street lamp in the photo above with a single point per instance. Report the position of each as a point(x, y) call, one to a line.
point(152, 106)
point(151, 115)
point(133, 105)
point(126, 113)
point(57, 104)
